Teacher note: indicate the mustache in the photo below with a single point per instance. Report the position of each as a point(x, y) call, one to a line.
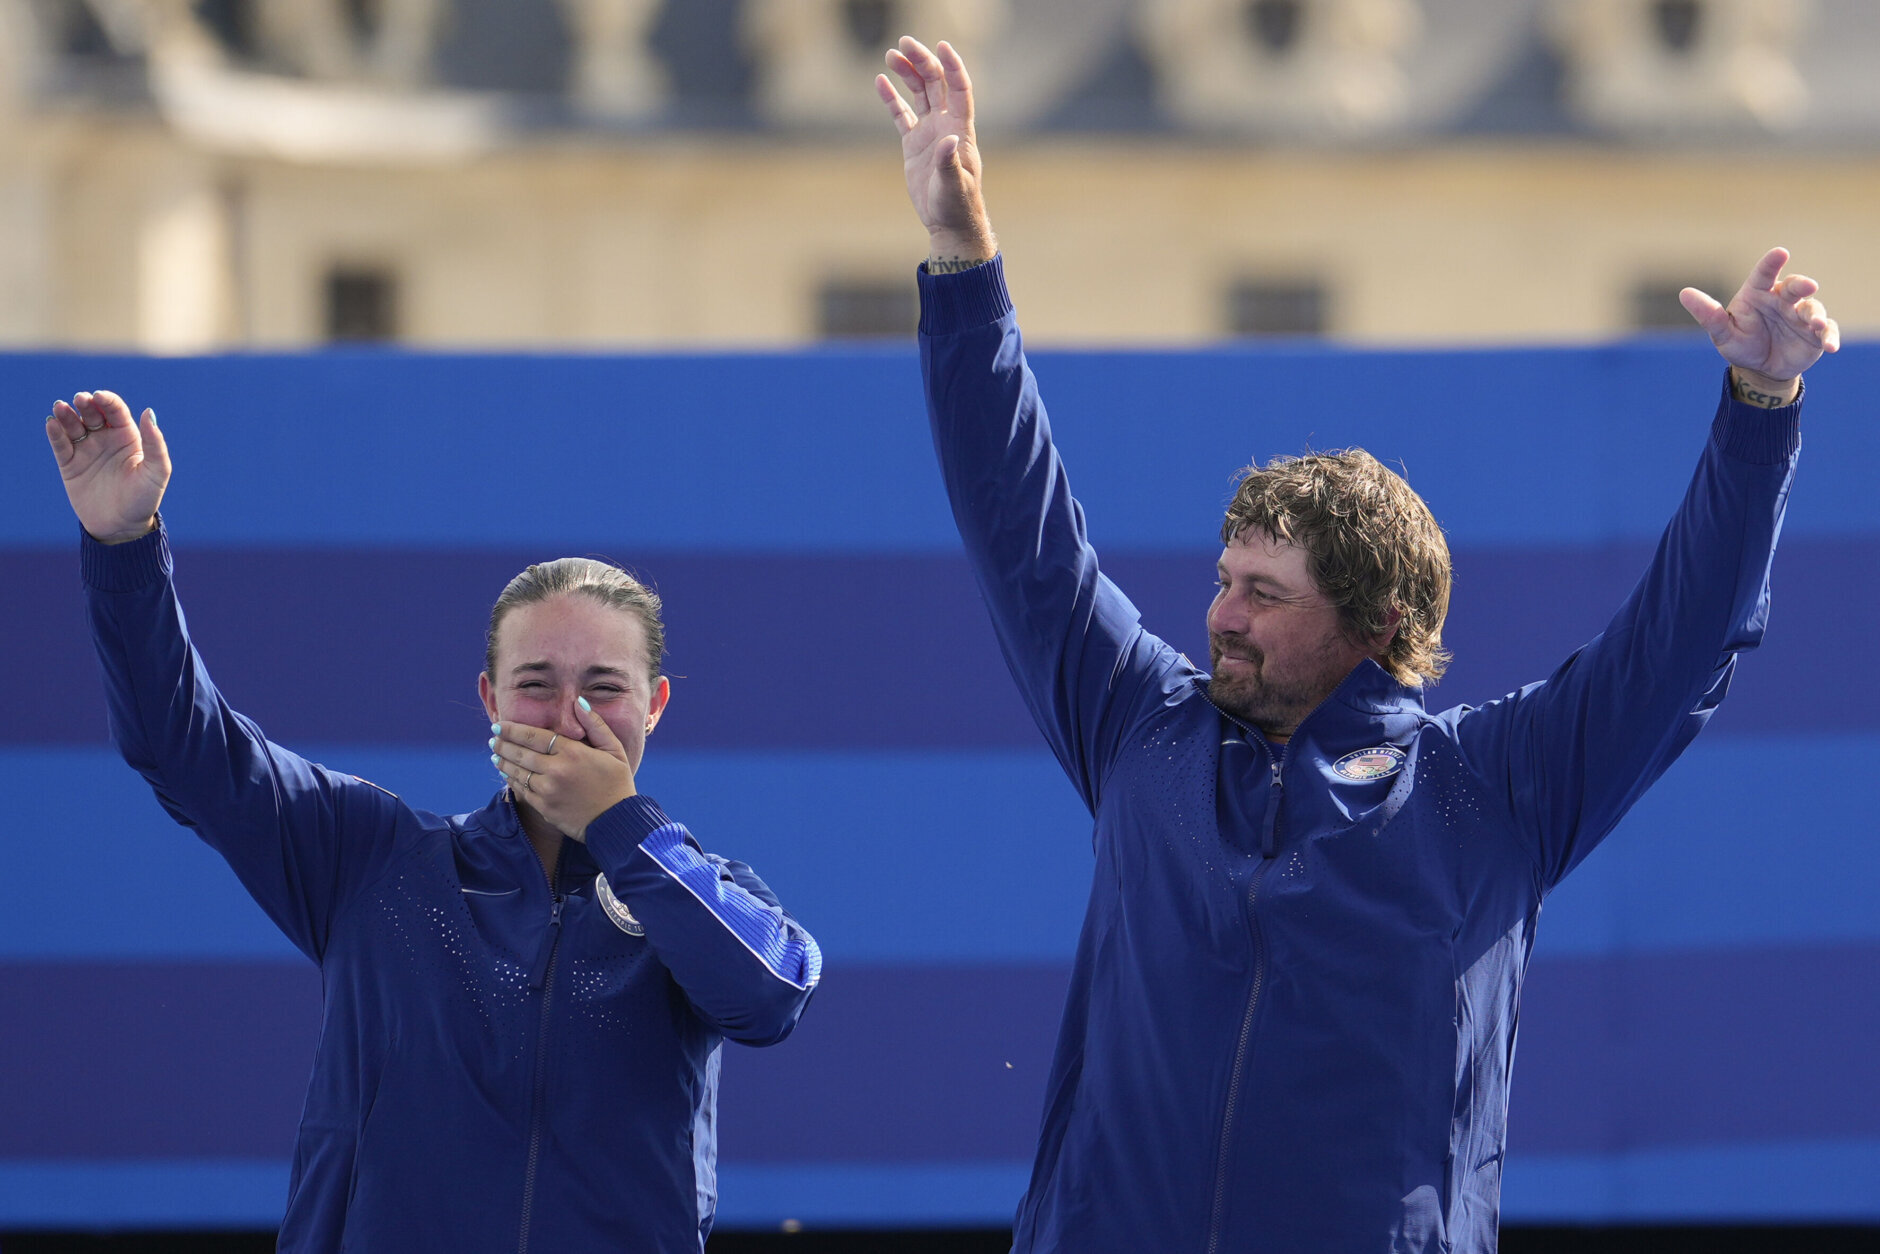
point(1239, 646)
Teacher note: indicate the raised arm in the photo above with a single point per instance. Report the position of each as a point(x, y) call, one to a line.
point(1574, 752)
point(1075, 644)
point(279, 820)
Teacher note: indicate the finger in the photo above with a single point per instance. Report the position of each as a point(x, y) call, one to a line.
point(959, 85)
point(112, 406)
point(1797, 287)
point(522, 735)
point(909, 73)
point(88, 413)
point(156, 447)
point(904, 119)
point(928, 66)
point(1710, 315)
point(1831, 338)
point(69, 421)
point(1763, 277)
point(62, 447)
point(599, 734)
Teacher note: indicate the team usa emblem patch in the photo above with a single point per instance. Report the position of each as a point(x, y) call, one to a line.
point(617, 909)
point(1368, 764)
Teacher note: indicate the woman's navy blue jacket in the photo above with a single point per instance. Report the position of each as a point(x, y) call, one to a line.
point(504, 1064)
point(1292, 1013)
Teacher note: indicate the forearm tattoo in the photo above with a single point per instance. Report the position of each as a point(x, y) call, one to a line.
point(954, 265)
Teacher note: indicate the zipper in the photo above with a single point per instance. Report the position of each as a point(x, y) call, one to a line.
point(1269, 849)
point(1240, 1060)
point(543, 976)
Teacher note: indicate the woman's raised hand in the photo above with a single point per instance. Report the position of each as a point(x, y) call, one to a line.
point(115, 469)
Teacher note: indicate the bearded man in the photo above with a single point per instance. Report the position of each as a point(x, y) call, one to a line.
point(1292, 1013)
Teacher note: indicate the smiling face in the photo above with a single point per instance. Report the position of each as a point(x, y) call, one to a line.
point(570, 645)
point(1277, 647)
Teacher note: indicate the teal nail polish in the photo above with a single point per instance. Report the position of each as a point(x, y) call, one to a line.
point(583, 701)
point(496, 728)
point(496, 762)
point(492, 742)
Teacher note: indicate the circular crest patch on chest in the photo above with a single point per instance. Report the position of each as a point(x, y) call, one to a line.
point(1368, 764)
point(617, 909)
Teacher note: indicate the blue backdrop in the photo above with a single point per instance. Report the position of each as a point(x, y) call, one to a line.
point(1699, 1028)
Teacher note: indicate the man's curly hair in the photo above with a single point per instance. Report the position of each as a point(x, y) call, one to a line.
point(1374, 548)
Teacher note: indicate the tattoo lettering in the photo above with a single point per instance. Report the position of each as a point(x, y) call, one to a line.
point(1754, 396)
point(954, 265)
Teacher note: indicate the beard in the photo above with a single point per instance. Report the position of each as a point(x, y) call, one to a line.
point(1273, 704)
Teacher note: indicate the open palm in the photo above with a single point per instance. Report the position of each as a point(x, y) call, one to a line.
point(115, 470)
point(938, 151)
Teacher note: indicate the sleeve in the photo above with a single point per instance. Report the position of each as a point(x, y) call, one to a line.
point(747, 966)
point(1575, 751)
point(295, 833)
point(1076, 646)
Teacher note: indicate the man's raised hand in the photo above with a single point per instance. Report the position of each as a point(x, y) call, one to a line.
point(114, 472)
point(1771, 331)
point(938, 151)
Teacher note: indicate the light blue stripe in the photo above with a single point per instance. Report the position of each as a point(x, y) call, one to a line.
point(784, 951)
point(959, 857)
point(884, 858)
point(174, 1193)
point(1778, 1183)
point(830, 448)
point(972, 1194)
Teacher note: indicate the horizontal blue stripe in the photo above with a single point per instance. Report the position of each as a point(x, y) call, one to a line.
point(1776, 1183)
point(240, 1194)
point(829, 449)
point(876, 854)
point(947, 1064)
point(86, 1196)
point(957, 857)
point(1779, 1182)
point(836, 651)
point(867, 1194)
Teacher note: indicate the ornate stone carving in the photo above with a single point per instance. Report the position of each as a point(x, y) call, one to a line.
point(1682, 65)
point(816, 58)
point(1280, 66)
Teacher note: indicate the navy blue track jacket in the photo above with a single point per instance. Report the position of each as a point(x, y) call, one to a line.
point(1292, 1013)
point(504, 1064)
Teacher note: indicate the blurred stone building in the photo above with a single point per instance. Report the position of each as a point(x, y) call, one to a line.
point(194, 175)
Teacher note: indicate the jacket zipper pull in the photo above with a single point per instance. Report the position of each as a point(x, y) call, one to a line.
point(1269, 830)
point(547, 947)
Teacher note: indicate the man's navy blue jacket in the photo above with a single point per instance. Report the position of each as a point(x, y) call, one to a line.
point(1292, 1013)
point(504, 1064)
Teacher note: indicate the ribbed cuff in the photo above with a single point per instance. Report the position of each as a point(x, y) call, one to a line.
point(617, 832)
point(1750, 433)
point(125, 567)
point(963, 300)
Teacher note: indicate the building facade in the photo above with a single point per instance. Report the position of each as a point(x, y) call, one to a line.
point(187, 176)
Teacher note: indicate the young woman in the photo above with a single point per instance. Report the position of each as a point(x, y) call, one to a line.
point(523, 1004)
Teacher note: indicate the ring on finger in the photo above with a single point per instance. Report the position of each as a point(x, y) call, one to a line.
point(551, 743)
point(88, 427)
point(528, 785)
point(80, 439)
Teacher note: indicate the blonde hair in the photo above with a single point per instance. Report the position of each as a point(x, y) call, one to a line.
point(603, 581)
